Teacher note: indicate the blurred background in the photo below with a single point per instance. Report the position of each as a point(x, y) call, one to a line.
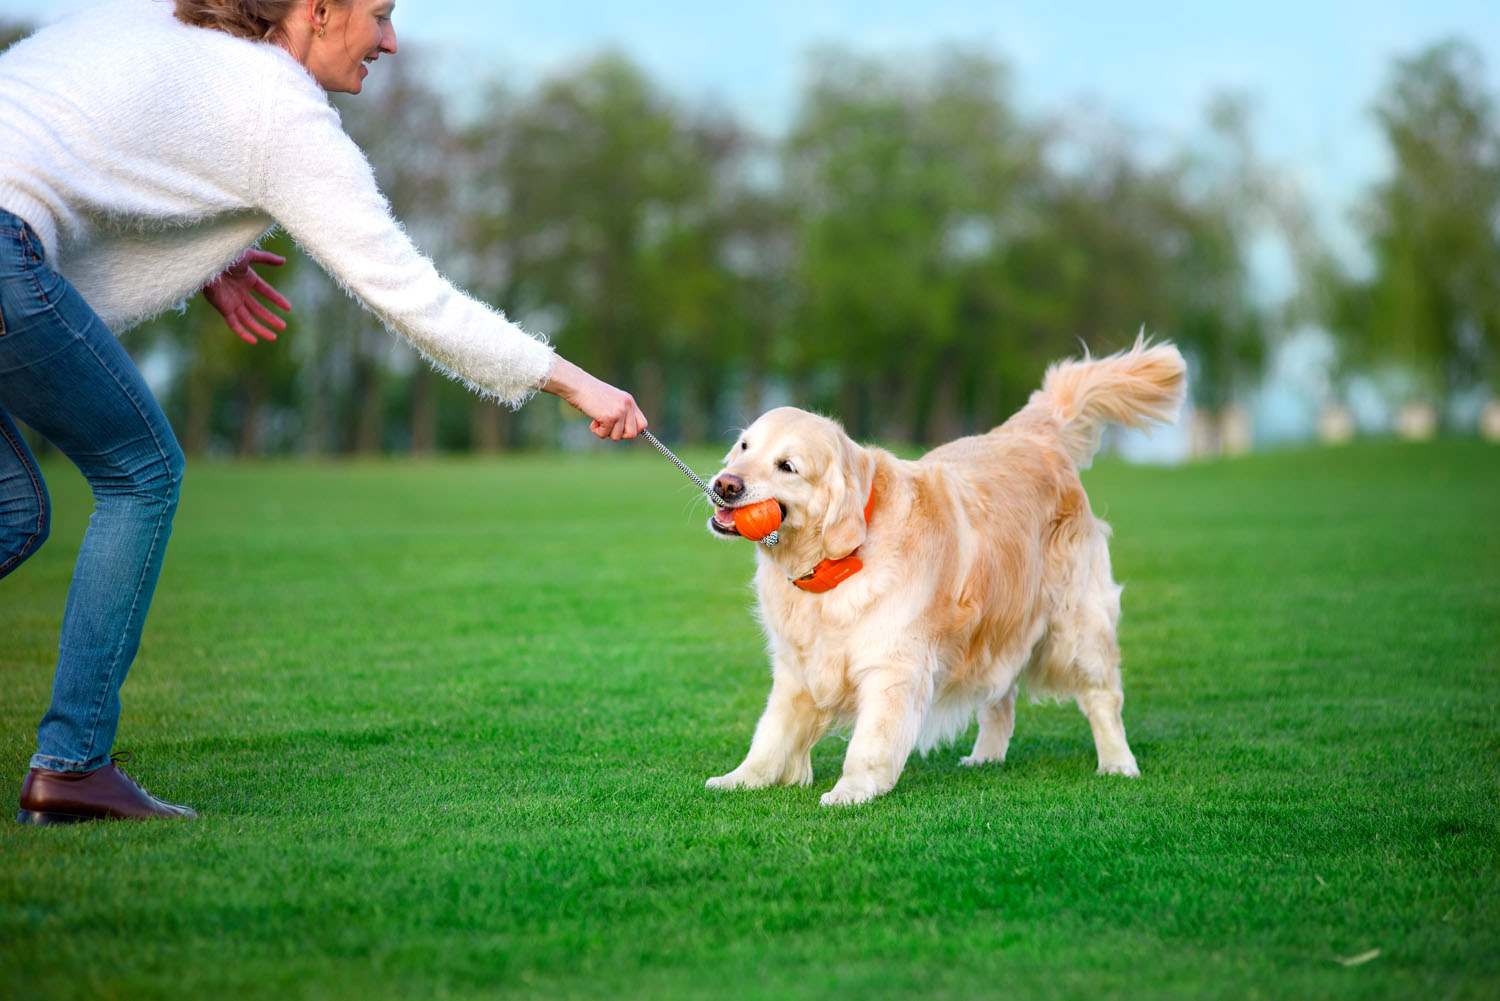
point(898, 214)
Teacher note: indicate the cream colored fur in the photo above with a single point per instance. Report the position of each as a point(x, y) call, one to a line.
point(983, 565)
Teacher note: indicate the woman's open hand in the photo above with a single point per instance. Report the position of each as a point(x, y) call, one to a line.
point(234, 293)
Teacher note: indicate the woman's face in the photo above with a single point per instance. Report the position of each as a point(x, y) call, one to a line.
point(354, 33)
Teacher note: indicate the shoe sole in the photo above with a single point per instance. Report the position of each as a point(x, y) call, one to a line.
point(41, 818)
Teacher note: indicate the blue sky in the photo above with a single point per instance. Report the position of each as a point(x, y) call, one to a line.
point(1311, 67)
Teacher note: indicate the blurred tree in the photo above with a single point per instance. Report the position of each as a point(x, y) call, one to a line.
point(12, 32)
point(1095, 267)
point(902, 181)
point(221, 394)
point(1225, 198)
point(1122, 246)
point(1432, 303)
point(401, 124)
point(717, 278)
point(748, 326)
point(606, 191)
point(486, 241)
point(910, 257)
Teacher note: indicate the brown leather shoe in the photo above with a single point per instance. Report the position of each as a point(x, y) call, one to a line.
point(106, 793)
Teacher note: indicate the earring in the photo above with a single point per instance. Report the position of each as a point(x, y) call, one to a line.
point(322, 32)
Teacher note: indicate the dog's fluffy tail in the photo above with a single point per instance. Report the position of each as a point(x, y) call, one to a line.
point(1135, 387)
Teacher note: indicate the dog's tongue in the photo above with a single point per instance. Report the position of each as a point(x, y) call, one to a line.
point(724, 516)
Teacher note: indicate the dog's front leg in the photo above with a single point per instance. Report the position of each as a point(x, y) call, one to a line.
point(885, 730)
point(781, 750)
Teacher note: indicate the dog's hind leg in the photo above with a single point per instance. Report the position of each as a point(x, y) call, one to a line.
point(1096, 668)
point(885, 731)
point(1102, 707)
point(997, 721)
point(1093, 654)
point(781, 750)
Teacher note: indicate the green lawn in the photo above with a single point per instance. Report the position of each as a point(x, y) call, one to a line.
point(448, 724)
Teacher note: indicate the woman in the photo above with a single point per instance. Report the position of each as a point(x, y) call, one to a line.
point(145, 146)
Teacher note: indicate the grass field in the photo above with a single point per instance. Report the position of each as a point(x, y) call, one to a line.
point(448, 725)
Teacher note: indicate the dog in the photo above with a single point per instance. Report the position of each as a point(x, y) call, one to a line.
point(907, 596)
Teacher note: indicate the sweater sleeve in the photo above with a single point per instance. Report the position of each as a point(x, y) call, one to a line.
point(316, 183)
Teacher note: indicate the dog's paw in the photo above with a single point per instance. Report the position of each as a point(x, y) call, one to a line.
point(848, 792)
point(972, 760)
point(737, 779)
point(1126, 768)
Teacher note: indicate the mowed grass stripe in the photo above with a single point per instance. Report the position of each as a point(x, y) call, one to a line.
point(448, 723)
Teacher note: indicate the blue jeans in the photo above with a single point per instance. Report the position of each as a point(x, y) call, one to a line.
point(64, 373)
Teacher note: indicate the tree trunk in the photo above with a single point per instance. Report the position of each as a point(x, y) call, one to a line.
point(945, 419)
point(650, 390)
point(252, 407)
point(368, 416)
point(200, 402)
point(491, 426)
point(423, 413)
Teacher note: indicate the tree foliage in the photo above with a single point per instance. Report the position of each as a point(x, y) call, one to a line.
point(1431, 303)
point(908, 256)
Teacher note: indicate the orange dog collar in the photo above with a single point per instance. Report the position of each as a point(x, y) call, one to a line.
point(829, 574)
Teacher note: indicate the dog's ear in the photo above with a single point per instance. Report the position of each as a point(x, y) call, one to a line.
point(850, 477)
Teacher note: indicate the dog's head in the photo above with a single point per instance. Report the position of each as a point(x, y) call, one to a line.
point(817, 475)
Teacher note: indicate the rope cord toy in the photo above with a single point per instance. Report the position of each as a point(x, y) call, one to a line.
point(759, 520)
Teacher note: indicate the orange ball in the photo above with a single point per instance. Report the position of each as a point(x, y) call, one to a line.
point(756, 521)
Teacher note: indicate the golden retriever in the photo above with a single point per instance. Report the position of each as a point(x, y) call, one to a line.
point(952, 578)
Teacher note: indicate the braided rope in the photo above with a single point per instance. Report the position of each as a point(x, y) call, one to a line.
point(769, 540)
point(664, 450)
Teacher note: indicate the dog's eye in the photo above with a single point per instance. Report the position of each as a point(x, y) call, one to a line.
point(744, 445)
point(785, 467)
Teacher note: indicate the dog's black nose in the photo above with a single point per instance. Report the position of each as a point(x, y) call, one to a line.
point(729, 487)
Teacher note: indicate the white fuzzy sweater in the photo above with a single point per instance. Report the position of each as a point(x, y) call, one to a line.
point(148, 155)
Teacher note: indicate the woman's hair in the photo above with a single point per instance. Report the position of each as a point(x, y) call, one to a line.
point(256, 19)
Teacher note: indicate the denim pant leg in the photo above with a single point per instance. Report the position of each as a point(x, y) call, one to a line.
point(64, 373)
point(25, 512)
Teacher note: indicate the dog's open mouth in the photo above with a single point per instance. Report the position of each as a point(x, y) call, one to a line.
point(723, 521)
point(723, 518)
